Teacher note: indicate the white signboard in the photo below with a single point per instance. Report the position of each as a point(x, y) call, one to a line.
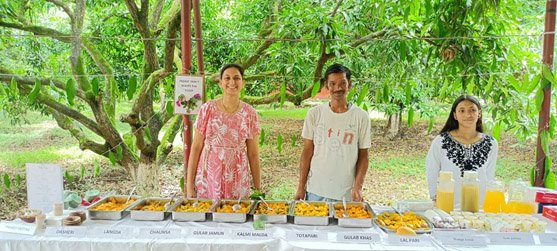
point(17, 228)
point(188, 94)
point(45, 185)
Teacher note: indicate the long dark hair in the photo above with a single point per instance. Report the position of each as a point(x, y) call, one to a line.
point(237, 66)
point(452, 123)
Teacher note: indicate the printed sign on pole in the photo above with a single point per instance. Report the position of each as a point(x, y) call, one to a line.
point(188, 94)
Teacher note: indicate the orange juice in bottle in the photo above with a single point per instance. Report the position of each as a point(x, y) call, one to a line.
point(494, 198)
point(445, 192)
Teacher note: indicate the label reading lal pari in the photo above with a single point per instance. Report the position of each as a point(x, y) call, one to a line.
point(112, 232)
point(400, 240)
point(251, 235)
point(158, 232)
point(548, 239)
point(18, 228)
point(209, 233)
point(511, 238)
point(358, 237)
point(461, 239)
point(66, 232)
point(306, 236)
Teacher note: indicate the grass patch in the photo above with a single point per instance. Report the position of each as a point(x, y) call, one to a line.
point(285, 113)
point(18, 159)
point(285, 191)
point(408, 165)
point(509, 170)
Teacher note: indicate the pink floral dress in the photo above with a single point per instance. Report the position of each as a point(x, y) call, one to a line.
point(222, 171)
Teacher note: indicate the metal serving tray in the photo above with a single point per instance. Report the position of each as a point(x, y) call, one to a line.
point(231, 217)
point(111, 215)
point(191, 216)
point(420, 231)
point(311, 220)
point(272, 218)
point(353, 222)
point(137, 214)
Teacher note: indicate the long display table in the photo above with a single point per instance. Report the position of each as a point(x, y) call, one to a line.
point(128, 234)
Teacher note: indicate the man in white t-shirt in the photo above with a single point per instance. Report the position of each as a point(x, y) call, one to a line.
point(337, 136)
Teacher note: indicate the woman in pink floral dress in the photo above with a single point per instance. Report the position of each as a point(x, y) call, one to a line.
point(225, 146)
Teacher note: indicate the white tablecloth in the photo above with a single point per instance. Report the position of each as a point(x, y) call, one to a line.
point(279, 241)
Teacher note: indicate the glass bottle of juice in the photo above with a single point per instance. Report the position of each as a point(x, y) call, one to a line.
point(495, 198)
point(517, 203)
point(445, 191)
point(470, 192)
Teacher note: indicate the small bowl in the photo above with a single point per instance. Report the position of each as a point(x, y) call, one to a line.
point(80, 214)
point(29, 215)
point(72, 221)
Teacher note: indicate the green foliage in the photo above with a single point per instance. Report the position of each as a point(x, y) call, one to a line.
point(18, 180)
point(71, 91)
point(35, 91)
point(82, 172)
point(96, 169)
point(7, 182)
point(262, 137)
point(410, 117)
point(316, 88)
point(95, 86)
point(279, 143)
point(119, 152)
point(112, 158)
point(182, 184)
point(132, 86)
point(69, 178)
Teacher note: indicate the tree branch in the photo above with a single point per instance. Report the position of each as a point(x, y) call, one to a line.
point(40, 31)
point(84, 143)
point(65, 7)
point(77, 116)
point(156, 15)
point(336, 8)
point(31, 81)
point(267, 33)
point(170, 44)
point(172, 13)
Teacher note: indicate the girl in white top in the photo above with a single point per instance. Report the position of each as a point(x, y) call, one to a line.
point(462, 146)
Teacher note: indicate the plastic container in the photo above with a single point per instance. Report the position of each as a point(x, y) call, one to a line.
point(518, 202)
point(495, 198)
point(470, 192)
point(445, 192)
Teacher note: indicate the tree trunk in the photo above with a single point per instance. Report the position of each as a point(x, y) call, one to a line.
point(146, 179)
point(393, 128)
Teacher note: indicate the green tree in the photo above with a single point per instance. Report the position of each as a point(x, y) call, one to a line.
point(406, 56)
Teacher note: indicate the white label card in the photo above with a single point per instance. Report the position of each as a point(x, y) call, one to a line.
point(418, 240)
point(466, 240)
point(158, 232)
point(209, 233)
point(358, 237)
point(511, 238)
point(66, 232)
point(548, 239)
point(112, 232)
point(252, 234)
point(45, 185)
point(18, 228)
point(306, 236)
